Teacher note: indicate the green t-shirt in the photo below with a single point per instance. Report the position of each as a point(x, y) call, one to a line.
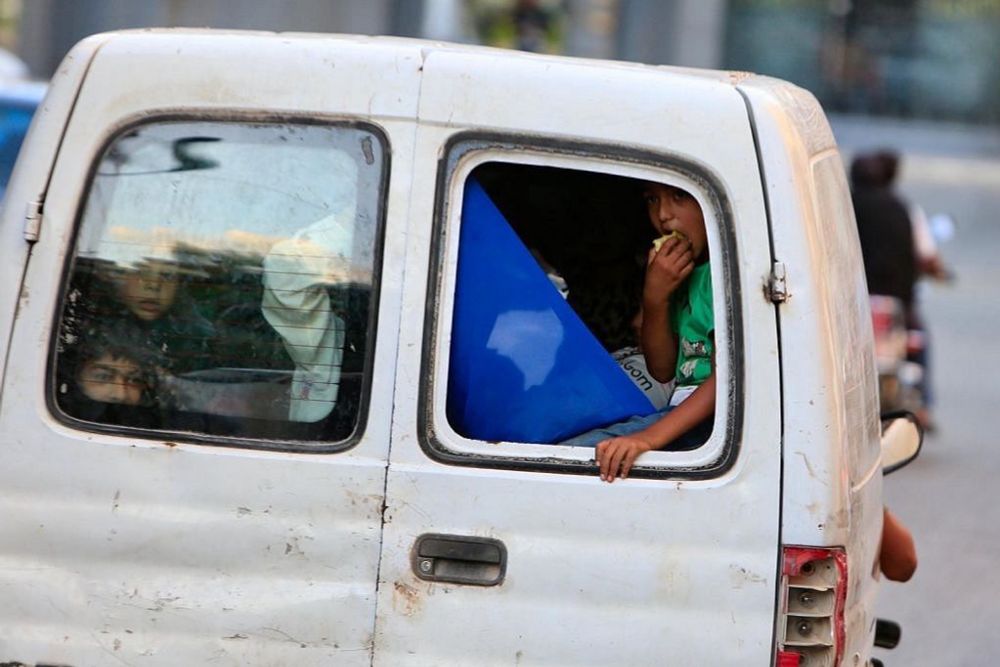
point(693, 321)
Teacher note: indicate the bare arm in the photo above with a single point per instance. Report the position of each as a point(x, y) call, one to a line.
point(695, 409)
point(617, 455)
point(659, 343)
point(665, 271)
point(898, 554)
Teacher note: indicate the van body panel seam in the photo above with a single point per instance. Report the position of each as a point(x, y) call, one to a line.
point(781, 387)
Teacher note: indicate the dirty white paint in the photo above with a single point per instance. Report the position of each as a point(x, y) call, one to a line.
point(122, 551)
point(833, 480)
point(636, 572)
point(29, 178)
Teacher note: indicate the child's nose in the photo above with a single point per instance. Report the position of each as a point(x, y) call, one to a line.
point(666, 210)
point(151, 284)
point(115, 390)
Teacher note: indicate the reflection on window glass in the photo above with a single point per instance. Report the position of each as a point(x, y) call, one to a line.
point(222, 281)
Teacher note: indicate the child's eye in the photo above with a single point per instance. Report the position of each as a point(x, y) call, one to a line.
point(102, 376)
point(650, 199)
point(135, 381)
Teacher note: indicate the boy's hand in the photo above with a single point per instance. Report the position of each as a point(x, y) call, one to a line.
point(616, 456)
point(667, 268)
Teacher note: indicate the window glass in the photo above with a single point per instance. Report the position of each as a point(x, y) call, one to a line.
point(547, 325)
point(222, 281)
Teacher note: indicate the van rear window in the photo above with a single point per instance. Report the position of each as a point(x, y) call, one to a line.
point(223, 282)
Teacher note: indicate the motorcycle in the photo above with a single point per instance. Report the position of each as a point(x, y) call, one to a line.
point(897, 350)
point(901, 345)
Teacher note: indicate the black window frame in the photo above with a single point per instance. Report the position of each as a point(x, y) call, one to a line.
point(290, 445)
point(465, 144)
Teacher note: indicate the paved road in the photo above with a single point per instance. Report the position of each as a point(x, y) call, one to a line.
point(950, 496)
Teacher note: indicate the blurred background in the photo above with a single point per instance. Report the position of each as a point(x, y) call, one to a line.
point(917, 77)
point(919, 59)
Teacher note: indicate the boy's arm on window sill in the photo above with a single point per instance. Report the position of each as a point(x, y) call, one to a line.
point(696, 408)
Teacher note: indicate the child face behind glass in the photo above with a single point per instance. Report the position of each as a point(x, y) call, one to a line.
point(147, 292)
point(111, 379)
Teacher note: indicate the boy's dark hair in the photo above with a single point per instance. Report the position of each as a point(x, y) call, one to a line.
point(119, 340)
point(875, 170)
point(868, 171)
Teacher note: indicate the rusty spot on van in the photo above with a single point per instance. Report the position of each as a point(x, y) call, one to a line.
point(740, 576)
point(737, 77)
point(405, 599)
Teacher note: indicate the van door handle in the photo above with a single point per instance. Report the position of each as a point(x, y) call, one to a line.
point(460, 559)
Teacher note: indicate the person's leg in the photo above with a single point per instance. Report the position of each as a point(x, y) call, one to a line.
point(694, 438)
point(627, 427)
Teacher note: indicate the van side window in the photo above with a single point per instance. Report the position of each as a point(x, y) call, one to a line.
point(223, 281)
point(545, 329)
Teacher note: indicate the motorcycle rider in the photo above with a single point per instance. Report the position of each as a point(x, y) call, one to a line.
point(884, 229)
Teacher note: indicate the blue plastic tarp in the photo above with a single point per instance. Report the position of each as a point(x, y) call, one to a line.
point(524, 367)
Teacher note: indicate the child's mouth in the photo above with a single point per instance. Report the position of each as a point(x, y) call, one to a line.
point(151, 307)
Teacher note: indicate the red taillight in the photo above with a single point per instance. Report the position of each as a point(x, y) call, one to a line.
point(882, 323)
point(813, 592)
point(788, 659)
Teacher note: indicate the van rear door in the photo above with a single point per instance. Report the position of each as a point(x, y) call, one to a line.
point(503, 552)
point(169, 504)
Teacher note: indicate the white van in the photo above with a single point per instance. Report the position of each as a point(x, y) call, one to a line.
point(231, 295)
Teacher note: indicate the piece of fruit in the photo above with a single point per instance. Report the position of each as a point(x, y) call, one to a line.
point(663, 239)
